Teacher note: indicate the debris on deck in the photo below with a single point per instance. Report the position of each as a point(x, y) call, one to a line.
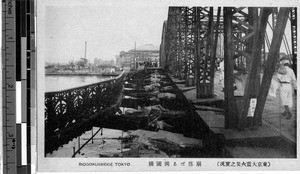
point(154, 120)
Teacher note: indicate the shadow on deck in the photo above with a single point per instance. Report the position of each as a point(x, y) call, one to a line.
point(275, 138)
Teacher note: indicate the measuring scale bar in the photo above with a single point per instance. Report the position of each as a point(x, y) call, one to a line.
point(9, 87)
point(14, 61)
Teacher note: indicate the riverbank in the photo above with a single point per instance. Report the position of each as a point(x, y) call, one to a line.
point(82, 74)
point(73, 74)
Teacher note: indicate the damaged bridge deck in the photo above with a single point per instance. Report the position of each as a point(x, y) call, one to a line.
point(154, 119)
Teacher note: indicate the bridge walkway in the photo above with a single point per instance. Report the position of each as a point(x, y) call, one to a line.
point(252, 141)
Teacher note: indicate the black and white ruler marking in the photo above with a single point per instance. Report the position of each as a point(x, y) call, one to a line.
point(18, 53)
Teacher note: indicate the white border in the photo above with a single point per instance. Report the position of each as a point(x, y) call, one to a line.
point(136, 164)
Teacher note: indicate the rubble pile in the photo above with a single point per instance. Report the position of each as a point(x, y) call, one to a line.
point(171, 123)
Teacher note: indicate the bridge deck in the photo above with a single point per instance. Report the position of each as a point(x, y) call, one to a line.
point(273, 128)
point(153, 104)
point(152, 120)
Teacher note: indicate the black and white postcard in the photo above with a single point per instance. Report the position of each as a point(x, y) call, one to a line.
point(161, 85)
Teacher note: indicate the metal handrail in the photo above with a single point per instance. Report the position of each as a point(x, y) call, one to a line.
point(67, 109)
point(84, 86)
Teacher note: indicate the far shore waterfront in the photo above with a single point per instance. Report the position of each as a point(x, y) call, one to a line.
point(74, 73)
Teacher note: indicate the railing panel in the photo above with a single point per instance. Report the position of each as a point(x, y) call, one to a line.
point(65, 108)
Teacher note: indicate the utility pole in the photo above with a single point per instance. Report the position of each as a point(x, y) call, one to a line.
point(135, 61)
point(85, 50)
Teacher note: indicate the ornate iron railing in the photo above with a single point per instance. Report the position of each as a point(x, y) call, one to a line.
point(66, 108)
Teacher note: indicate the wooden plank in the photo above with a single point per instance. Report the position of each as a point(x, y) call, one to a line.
point(252, 78)
point(271, 62)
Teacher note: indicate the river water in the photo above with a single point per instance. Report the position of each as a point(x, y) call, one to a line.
point(57, 83)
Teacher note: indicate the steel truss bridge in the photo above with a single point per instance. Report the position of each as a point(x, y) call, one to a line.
point(193, 37)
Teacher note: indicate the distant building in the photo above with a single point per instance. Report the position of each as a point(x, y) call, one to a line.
point(98, 61)
point(124, 60)
point(146, 55)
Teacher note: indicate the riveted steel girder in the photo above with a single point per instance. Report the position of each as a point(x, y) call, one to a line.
point(294, 37)
point(203, 58)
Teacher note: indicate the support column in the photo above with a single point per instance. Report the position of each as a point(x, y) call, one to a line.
point(197, 50)
point(253, 20)
point(204, 45)
point(294, 37)
point(181, 42)
point(190, 46)
point(213, 52)
point(186, 45)
point(230, 102)
point(271, 62)
point(163, 47)
point(254, 74)
point(172, 37)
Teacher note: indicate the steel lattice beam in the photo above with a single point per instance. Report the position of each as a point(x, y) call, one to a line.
point(239, 29)
point(183, 36)
point(190, 30)
point(271, 62)
point(181, 43)
point(204, 55)
point(163, 45)
point(171, 40)
point(294, 37)
point(285, 41)
point(189, 44)
point(243, 23)
point(175, 41)
point(213, 50)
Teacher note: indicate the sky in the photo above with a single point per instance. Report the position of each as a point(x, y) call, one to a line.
point(106, 29)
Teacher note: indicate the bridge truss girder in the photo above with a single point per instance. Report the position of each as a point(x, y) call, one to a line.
point(189, 45)
point(163, 50)
point(294, 37)
point(174, 45)
point(204, 61)
point(240, 25)
point(254, 87)
point(194, 31)
point(278, 35)
point(189, 69)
